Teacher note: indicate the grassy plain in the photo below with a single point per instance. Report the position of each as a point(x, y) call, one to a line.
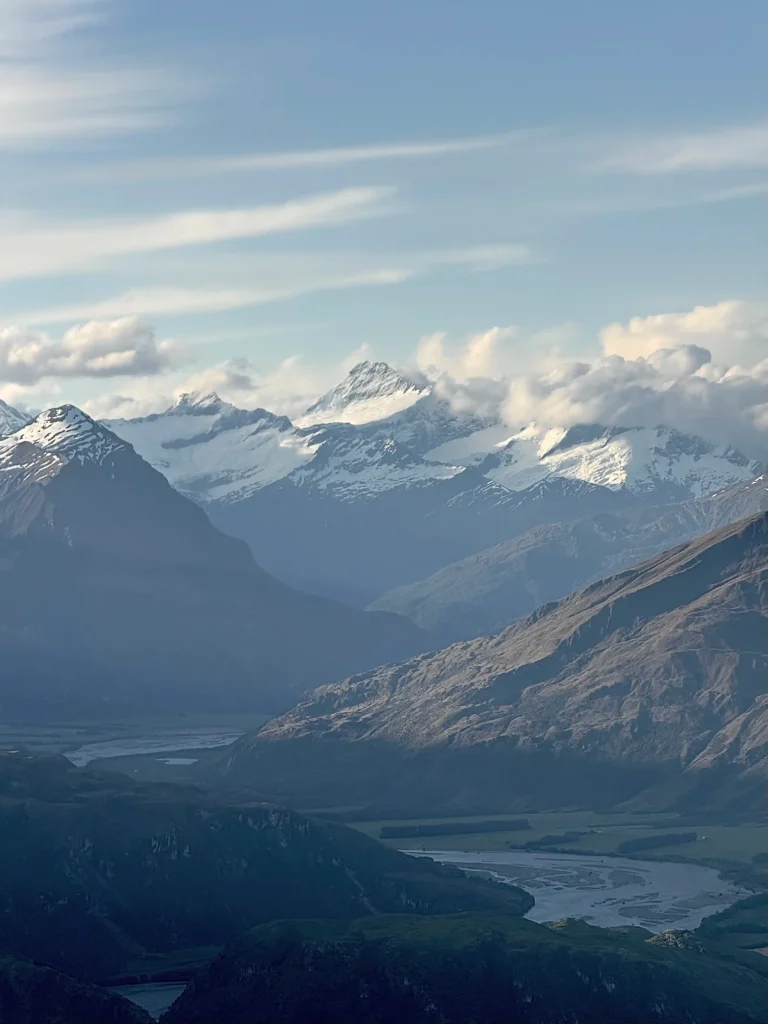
point(729, 847)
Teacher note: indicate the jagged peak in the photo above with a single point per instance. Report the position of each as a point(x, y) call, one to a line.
point(11, 419)
point(67, 430)
point(370, 391)
point(199, 402)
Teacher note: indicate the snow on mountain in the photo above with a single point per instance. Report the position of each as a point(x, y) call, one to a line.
point(644, 460)
point(67, 431)
point(212, 450)
point(11, 419)
point(370, 391)
point(216, 452)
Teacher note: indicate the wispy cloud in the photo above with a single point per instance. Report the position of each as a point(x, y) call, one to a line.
point(647, 204)
point(204, 166)
point(744, 146)
point(189, 301)
point(169, 301)
point(50, 92)
point(29, 250)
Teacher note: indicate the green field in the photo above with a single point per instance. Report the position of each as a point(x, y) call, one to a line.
point(728, 847)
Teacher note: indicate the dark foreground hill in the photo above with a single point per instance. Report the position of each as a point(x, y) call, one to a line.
point(117, 593)
point(651, 680)
point(97, 871)
point(36, 994)
point(482, 969)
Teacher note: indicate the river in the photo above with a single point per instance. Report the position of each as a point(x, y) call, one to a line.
point(605, 891)
point(165, 743)
point(154, 997)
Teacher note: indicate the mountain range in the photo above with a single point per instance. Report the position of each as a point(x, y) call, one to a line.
point(487, 591)
point(651, 681)
point(383, 482)
point(118, 593)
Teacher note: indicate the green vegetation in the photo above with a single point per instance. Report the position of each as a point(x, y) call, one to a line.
point(743, 925)
point(98, 871)
point(644, 843)
point(481, 968)
point(557, 839)
point(454, 828)
point(733, 846)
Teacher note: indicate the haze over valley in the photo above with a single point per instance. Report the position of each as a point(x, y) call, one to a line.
point(383, 513)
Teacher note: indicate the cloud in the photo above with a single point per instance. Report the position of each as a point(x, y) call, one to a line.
point(205, 166)
point(733, 332)
point(605, 205)
point(744, 146)
point(29, 250)
point(703, 372)
point(170, 301)
point(46, 95)
point(118, 348)
point(167, 301)
point(478, 357)
point(288, 388)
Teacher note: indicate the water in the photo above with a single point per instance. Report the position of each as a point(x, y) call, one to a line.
point(158, 744)
point(605, 891)
point(155, 998)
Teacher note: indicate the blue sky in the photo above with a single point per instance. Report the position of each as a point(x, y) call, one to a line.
point(261, 182)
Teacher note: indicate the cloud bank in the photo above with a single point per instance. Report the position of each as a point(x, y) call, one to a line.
point(117, 348)
point(704, 372)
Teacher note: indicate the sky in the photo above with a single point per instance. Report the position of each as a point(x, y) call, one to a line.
point(221, 194)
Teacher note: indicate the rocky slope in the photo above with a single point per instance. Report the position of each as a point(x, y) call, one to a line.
point(396, 483)
point(36, 994)
point(98, 871)
point(11, 419)
point(655, 677)
point(484, 593)
point(117, 592)
point(485, 969)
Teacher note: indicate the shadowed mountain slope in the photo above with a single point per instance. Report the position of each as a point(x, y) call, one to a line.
point(652, 676)
point(117, 592)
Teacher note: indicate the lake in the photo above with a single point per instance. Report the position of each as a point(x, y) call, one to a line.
point(605, 891)
point(155, 997)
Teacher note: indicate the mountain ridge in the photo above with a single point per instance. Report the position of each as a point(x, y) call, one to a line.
point(447, 478)
point(651, 675)
point(119, 592)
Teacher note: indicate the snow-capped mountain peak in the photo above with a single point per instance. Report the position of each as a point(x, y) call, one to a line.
point(370, 391)
point(199, 403)
point(11, 419)
point(67, 431)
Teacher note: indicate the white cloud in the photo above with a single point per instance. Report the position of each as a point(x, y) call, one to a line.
point(166, 301)
point(118, 348)
point(29, 250)
point(704, 371)
point(288, 388)
point(733, 332)
point(169, 301)
point(744, 146)
point(205, 166)
point(46, 94)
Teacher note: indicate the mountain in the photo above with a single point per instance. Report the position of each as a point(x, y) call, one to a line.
point(119, 594)
point(370, 391)
point(407, 484)
point(654, 678)
point(11, 419)
point(36, 994)
point(101, 875)
point(491, 589)
point(481, 968)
